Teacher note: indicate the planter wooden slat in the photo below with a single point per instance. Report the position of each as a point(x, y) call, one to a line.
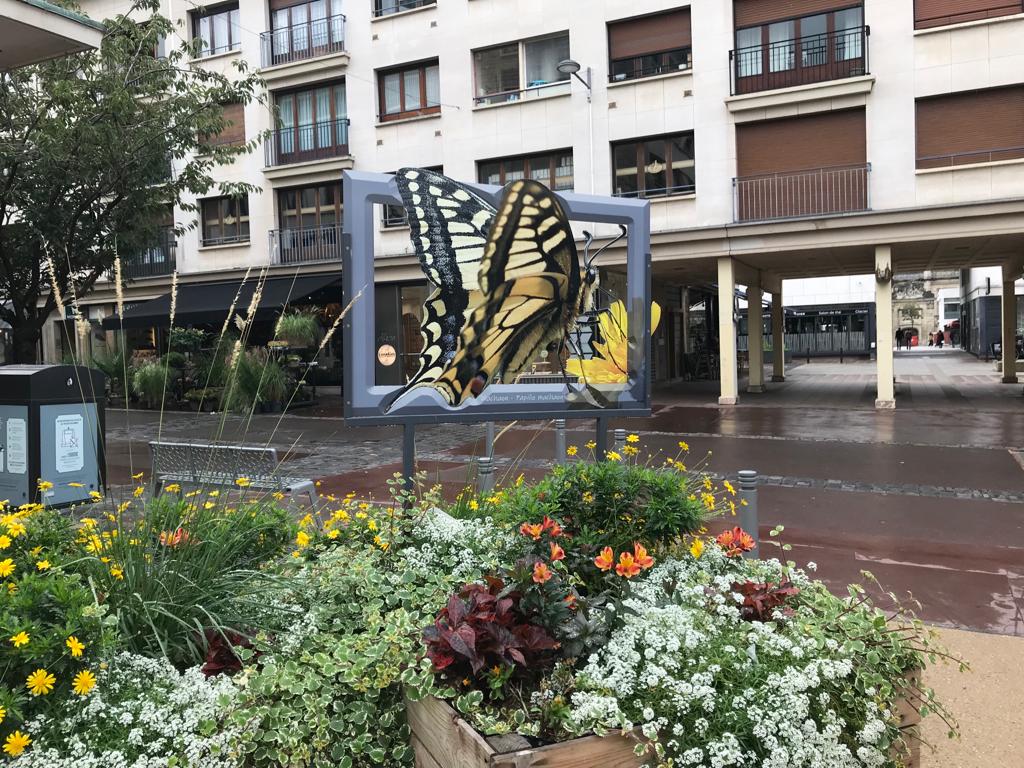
point(442, 739)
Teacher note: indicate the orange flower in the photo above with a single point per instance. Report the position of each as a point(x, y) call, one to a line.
point(557, 553)
point(627, 567)
point(533, 531)
point(551, 527)
point(541, 573)
point(570, 601)
point(174, 539)
point(644, 560)
point(735, 542)
point(605, 560)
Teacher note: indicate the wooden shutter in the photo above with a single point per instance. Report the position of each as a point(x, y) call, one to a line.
point(801, 143)
point(649, 34)
point(234, 130)
point(990, 122)
point(749, 13)
point(937, 13)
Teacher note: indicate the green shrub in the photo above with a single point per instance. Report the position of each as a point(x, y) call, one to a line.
point(274, 383)
point(255, 379)
point(187, 339)
point(112, 363)
point(150, 380)
point(299, 329)
point(211, 367)
point(175, 360)
point(182, 566)
point(49, 617)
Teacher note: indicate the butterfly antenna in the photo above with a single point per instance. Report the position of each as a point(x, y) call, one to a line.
point(606, 246)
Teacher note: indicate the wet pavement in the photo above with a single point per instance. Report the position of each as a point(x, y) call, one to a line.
point(929, 498)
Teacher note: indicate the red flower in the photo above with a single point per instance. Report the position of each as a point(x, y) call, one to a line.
point(557, 553)
point(180, 536)
point(606, 559)
point(644, 560)
point(627, 567)
point(551, 527)
point(541, 573)
point(735, 542)
point(533, 531)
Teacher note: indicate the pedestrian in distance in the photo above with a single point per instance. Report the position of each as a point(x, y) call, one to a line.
point(899, 338)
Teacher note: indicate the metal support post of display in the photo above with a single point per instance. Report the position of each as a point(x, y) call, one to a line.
point(489, 446)
point(601, 438)
point(560, 441)
point(409, 455)
point(748, 511)
point(484, 475)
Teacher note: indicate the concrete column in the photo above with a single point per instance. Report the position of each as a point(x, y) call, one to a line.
point(884, 338)
point(778, 338)
point(1009, 342)
point(727, 332)
point(755, 337)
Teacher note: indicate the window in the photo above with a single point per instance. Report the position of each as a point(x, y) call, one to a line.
point(849, 37)
point(663, 165)
point(748, 52)
point(649, 45)
point(218, 29)
point(225, 220)
point(394, 216)
point(970, 127)
point(553, 169)
point(951, 310)
point(387, 7)
point(781, 46)
point(305, 30)
point(814, 40)
point(233, 132)
point(409, 91)
point(312, 123)
point(938, 13)
point(504, 72)
point(310, 207)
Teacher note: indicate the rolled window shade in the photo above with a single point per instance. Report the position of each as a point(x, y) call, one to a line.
point(748, 13)
point(824, 140)
point(649, 34)
point(973, 127)
point(937, 13)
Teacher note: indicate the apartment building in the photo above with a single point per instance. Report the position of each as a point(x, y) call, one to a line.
point(32, 31)
point(775, 140)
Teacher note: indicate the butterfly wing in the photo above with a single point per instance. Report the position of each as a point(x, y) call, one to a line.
point(448, 227)
point(530, 276)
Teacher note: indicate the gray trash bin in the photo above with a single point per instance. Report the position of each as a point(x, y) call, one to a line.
point(52, 427)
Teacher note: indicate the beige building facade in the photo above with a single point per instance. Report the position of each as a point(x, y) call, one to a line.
point(775, 139)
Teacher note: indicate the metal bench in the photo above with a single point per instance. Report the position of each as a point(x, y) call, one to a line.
point(203, 464)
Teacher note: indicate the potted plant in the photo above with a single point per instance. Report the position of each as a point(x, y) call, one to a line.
point(298, 329)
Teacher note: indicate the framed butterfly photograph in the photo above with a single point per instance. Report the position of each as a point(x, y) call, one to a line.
point(508, 325)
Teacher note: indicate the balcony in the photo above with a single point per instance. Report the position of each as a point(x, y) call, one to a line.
point(801, 61)
point(307, 143)
point(389, 7)
point(308, 245)
point(157, 260)
point(816, 192)
point(650, 65)
point(308, 40)
point(536, 90)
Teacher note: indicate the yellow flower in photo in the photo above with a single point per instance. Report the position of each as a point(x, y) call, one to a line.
point(630, 450)
point(591, 444)
point(572, 450)
point(75, 485)
point(683, 445)
point(40, 682)
point(139, 490)
point(43, 565)
point(123, 506)
point(3, 714)
point(614, 456)
point(117, 573)
point(15, 529)
point(302, 539)
point(6, 568)
point(633, 439)
point(20, 639)
point(5, 541)
point(15, 743)
point(89, 522)
point(588, 497)
point(372, 525)
point(190, 494)
point(697, 548)
point(610, 362)
point(243, 482)
point(138, 475)
point(75, 645)
point(333, 534)
point(45, 485)
point(278, 496)
point(83, 683)
point(95, 495)
point(172, 487)
point(209, 505)
point(728, 486)
point(474, 505)
point(213, 494)
point(361, 515)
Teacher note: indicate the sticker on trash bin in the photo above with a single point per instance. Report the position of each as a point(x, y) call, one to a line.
point(70, 434)
point(17, 447)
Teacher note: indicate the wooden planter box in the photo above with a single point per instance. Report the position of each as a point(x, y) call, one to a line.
point(442, 739)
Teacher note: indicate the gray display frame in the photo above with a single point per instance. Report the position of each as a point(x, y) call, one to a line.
point(498, 402)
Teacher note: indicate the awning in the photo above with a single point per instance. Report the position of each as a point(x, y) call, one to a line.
point(208, 303)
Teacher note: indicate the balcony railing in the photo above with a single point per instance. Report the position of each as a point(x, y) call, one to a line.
point(532, 91)
point(388, 7)
point(970, 158)
point(315, 37)
point(801, 61)
point(816, 192)
point(650, 64)
point(303, 143)
point(305, 245)
point(158, 259)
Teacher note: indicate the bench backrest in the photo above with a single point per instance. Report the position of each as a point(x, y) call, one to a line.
point(203, 460)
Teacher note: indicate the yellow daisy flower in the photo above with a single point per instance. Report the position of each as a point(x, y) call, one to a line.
point(20, 639)
point(75, 645)
point(40, 682)
point(83, 683)
point(6, 568)
point(15, 743)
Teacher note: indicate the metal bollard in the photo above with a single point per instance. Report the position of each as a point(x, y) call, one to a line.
point(748, 512)
point(484, 474)
point(620, 439)
point(560, 441)
point(489, 440)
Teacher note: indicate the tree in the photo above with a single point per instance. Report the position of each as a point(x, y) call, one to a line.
point(85, 149)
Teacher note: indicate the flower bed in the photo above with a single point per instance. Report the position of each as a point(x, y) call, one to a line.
point(536, 623)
